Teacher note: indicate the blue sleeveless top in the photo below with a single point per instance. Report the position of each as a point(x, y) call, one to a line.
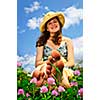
point(62, 49)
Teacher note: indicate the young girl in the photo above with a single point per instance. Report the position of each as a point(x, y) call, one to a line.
point(52, 39)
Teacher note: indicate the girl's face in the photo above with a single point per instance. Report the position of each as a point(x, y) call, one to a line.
point(53, 26)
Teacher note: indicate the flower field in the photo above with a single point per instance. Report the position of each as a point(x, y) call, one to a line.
point(27, 89)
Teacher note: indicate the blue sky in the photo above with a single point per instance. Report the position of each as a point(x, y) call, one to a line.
point(30, 14)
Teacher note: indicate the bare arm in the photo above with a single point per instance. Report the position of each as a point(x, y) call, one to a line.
point(39, 56)
point(70, 57)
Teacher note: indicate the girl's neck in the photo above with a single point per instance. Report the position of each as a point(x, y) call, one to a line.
point(56, 38)
point(51, 36)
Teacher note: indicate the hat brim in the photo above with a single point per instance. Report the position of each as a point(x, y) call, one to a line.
point(58, 14)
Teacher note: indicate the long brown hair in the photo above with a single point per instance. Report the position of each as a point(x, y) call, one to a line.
point(45, 35)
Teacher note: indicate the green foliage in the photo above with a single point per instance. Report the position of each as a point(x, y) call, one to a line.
point(23, 82)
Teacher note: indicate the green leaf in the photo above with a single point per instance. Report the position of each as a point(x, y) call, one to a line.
point(57, 69)
point(57, 98)
point(48, 98)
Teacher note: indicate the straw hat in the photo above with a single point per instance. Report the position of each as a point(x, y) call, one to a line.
point(49, 16)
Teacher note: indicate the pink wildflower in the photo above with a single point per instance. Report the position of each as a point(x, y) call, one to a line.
point(33, 80)
point(51, 81)
point(27, 94)
point(80, 92)
point(44, 89)
point(77, 72)
point(20, 91)
point(61, 89)
point(54, 92)
point(19, 64)
point(74, 84)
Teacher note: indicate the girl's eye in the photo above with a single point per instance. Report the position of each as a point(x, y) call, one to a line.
point(55, 21)
point(49, 23)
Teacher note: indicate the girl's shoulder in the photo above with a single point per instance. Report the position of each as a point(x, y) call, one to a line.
point(66, 39)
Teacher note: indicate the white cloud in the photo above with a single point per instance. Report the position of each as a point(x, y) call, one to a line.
point(46, 8)
point(22, 31)
point(28, 62)
point(78, 49)
point(72, 16)
point(20, 59)
point(34, 23)
point(32, 8)
point(19, 30)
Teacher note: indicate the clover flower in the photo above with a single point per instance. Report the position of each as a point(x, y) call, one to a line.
point(80, 92)
point(19, 64)
point(33, 80)
point(43, 89)
point(20, 91)
point(74, 83)
point(77, 72)
point(27, 94)
point(61, 89)
point(51, 81)
point(54, 92)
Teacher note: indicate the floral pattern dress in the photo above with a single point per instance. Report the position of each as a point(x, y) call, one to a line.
point(62, 49)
